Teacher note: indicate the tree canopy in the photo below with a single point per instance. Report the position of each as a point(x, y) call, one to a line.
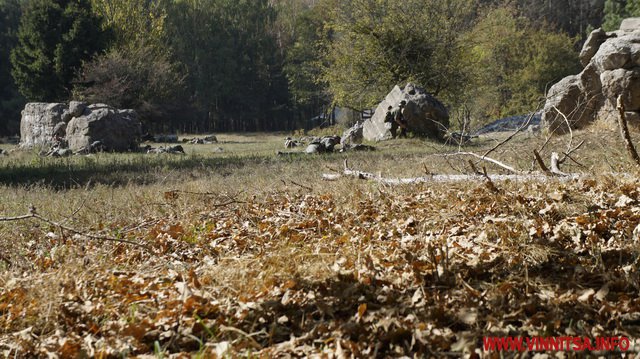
point(55, 37)
point(245, 65)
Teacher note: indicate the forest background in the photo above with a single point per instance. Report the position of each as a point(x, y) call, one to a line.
point(264, 65)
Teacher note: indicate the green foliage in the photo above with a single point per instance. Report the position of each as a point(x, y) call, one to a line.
point(10, 100)
point(233, 63)
point(304, 63)
point(617, 10)
point(514, 63)
point(140, 79)
point(614, 12)
point(378, 44)
point(133, 22)
point(55, 36)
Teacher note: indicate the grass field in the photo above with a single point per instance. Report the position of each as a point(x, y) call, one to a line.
point(235, 251)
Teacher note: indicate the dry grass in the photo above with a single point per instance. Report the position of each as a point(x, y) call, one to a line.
point(244, 228)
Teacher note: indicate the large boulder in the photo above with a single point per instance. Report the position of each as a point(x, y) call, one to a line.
point(116, 130)
point(353, 135)
point(39, 121)
point(612, 69)
point(591, 45)
point(425, 115)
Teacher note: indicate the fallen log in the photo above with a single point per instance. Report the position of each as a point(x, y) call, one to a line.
point(348, 172)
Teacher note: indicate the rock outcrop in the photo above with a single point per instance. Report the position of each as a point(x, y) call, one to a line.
point(78, 126)
point(117, 130)
point(425, 115)
point(39, 121)
point(353, 135)
point(611, 69)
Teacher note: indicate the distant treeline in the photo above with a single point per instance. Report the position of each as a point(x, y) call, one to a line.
point(260, 65)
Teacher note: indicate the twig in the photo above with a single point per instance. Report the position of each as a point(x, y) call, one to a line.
point(525, 124)
point(569, 152)
point(566, 120)
point(624, 132)
point(555, 166)
point(485, 158)
point(301, 186)
point(492, 187)
point(543, 167)
point(252, 342)
point(473, 168)
point(34, 214)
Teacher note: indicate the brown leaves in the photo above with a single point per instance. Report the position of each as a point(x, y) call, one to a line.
point(402, 272)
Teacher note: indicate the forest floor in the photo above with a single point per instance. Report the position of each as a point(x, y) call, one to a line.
point(231, 250)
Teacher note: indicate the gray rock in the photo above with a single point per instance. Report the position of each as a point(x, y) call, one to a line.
point(612, 68)
point(566, 98)
point(175, 149)
point(618, 53)
point(117, 130)
point(622, 82)
point(60, 129)
point(38, 123)
point(630, 24)
point(425, 115)
point(596, 38)
point(169, 149)
point(329, 142)
point(210, 139)
point(76, 108)
point(353, 136)
point(315, 147)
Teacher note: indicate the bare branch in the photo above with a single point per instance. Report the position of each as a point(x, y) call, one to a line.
point(555, 168)
point(484, 158)
point(436, 178)
point(543, 167)
point(518, 130)
point(34, 215)
point(624, 132)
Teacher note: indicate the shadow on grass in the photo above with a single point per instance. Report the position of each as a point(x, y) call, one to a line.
point(123, 169)
point(111, 169)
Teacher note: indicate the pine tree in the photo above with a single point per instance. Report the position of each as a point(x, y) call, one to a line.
point(55, 37)
point(10, 100)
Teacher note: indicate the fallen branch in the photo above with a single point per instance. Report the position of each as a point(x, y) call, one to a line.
point(624, 132)
point(555, 164)
point(543, 167)
point(518, 130)
point(34, 215)
point(437, 178)
point(487, 159)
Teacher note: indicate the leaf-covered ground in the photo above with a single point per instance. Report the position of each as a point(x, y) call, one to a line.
point(424, 270)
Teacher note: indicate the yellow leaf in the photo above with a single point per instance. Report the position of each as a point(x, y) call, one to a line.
point(362, 308)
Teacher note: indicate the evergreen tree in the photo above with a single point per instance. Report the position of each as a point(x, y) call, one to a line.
point(55, 37)
point(11, 102)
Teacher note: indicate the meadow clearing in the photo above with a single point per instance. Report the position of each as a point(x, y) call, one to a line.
point(231, 250)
